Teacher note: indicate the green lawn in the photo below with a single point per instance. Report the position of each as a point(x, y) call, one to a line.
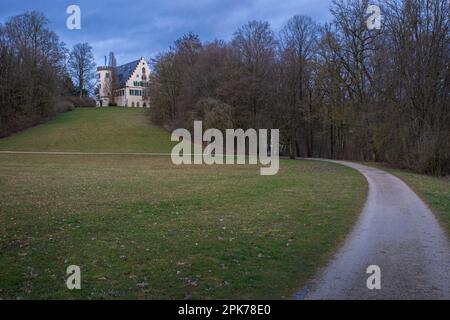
point(140, 227)
point(434, 191)
point(93, 130)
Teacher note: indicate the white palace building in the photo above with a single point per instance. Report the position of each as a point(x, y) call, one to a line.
point(130, 87)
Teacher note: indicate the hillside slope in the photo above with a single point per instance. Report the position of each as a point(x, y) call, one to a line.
point(93, 130)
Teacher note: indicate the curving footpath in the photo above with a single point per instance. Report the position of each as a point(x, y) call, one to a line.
point(397, 232)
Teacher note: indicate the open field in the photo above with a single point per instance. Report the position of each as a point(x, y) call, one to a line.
point(140, 227)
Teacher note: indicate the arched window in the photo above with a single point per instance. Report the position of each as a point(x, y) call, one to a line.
point(143, 71)
point(132, 104)
point(138, 104)
point(144, 105)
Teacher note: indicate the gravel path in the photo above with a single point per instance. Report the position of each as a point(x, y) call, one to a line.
point(397, 232)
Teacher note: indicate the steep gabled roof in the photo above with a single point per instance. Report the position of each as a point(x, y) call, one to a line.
point(125, 71)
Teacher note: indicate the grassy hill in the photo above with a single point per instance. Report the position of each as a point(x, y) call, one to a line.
point(93, 130)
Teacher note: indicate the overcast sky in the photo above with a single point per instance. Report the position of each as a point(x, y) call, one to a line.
point(145, 27)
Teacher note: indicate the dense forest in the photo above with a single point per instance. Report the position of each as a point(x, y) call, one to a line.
point(337, 90)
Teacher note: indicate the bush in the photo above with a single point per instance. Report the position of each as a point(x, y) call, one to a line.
point(214, 114)
point(83, 102)
point(63, 106)
point(21, 121)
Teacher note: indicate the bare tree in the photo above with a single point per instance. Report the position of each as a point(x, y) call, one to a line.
point(82, 67)
point(298, 43)
point(254, 45)
point(111, 83)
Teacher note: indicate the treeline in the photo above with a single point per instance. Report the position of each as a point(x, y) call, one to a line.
point(337, 90)
point(35, 82)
